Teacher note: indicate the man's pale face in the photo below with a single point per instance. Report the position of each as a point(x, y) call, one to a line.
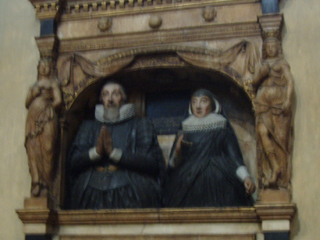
point(111, 95)
point(201, 106)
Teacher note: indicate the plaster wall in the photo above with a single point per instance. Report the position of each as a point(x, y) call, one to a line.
point(18, 70)
point(301, 39)
point(18, 60)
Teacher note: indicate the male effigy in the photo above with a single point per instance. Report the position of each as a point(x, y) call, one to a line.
point(115, 160)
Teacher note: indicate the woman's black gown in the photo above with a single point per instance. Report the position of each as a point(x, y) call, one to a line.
point(207, 176)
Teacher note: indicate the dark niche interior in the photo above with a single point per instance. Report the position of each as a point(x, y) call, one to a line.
point(163, 95)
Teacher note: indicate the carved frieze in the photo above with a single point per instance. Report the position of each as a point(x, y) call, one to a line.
point(209, 32)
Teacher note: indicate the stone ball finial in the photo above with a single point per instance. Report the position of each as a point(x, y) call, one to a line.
point(104, 24)
point(155, 22)
point(209, 13)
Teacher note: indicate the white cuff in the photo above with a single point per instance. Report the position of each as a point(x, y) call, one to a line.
point(116, 154)
point(93, 155)
point(242, 173)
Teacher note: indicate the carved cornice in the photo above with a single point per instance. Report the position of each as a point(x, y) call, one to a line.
point(118, 41)
point(47, 9)
point(89, 9)
point(35, 216)
point(276, 211)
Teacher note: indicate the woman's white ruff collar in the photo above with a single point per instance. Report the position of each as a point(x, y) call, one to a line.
point(209, 122)
point(126, 111)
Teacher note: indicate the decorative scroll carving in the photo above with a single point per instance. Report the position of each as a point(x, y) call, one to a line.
point(43, 101)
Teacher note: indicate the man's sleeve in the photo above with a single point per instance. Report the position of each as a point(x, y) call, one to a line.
point(82, 153)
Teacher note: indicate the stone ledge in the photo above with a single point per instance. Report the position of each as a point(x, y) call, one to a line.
point(138, 216)
point(276, 211)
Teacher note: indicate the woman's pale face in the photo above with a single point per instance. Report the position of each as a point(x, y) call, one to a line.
point(201, 106)
point(272, 49)
point(44, 68)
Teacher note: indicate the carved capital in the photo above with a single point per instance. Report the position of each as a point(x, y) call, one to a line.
point(271, 25)
point(48, 46)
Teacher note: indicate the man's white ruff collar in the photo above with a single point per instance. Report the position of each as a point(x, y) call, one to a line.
point(207, 123)
point(126, 111)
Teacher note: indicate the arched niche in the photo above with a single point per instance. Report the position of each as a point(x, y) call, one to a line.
point(152, 78)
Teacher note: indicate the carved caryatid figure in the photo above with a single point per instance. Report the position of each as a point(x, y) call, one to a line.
point(273, 84)
point(42, 101)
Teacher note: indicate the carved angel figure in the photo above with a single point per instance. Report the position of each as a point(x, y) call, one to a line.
point(43, 99)
point(273, 84)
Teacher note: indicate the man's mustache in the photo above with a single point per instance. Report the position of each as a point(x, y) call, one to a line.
point(111, 105)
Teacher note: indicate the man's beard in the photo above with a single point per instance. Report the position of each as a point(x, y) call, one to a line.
point(111, 113)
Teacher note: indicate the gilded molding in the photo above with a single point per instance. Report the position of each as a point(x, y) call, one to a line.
point(208, 32)
point(75, 10)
